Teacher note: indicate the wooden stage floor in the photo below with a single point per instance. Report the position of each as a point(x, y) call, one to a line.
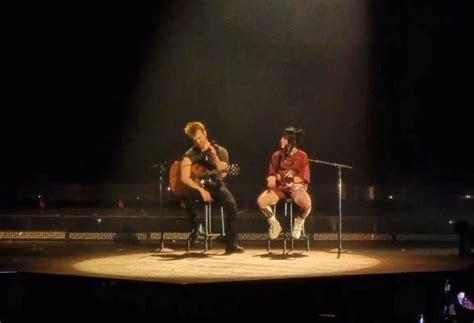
point(143, 262)
point(129, 282)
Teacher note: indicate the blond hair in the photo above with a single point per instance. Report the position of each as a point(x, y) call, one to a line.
point(192, 127)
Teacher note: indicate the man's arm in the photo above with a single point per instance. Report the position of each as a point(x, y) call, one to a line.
point(222, 162)
point(188, 181)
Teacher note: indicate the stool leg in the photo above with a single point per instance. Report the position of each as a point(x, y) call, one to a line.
point(209, 220)
point(291, 218)
point(291, 227)
point(285, 234)
point(222, 221)
point(268, 245)
point(188, 245)
point(208, 227)
point(206, 218)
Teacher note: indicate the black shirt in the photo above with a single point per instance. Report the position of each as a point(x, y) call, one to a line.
point(203, 158)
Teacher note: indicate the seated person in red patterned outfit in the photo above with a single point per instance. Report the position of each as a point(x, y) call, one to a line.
point(288, 177)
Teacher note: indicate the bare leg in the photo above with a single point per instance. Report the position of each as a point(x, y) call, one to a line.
point(303, 201)
point(265, 201)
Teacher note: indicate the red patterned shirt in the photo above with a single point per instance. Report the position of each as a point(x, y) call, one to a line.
point(294, 165)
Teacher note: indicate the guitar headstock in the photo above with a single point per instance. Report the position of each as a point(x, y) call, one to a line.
point(233, 169)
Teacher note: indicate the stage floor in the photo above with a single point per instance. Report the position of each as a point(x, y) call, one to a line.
point(142, 261)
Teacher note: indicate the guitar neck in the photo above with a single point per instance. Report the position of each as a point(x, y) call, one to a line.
point(208, 173)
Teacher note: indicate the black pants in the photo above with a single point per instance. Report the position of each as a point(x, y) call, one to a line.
point(220, 194)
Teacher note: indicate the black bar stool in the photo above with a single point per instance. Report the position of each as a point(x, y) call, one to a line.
point(286, 234)
point(208, 233)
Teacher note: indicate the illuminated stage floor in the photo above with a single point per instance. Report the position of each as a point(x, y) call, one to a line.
point(173, 265)
point(119, 280)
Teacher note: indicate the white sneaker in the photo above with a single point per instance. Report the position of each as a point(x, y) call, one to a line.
point(274, 228)
point(297, 227)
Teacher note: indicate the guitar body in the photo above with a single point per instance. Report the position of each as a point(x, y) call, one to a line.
point(197, 173)
point(176, 185)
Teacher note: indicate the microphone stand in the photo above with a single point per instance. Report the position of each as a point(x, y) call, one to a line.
point(339, 250)
point(162, 171)
point(162, 241)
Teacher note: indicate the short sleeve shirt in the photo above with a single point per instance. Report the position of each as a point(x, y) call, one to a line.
point(203, 158)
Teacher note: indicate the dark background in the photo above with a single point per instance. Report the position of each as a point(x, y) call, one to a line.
point(98, 95)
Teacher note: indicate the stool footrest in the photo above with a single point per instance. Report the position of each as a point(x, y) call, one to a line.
point(285, 237)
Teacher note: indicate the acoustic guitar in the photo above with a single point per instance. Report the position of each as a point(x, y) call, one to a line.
point(198, 173)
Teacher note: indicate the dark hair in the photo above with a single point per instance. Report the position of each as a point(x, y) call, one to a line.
point(293, 135)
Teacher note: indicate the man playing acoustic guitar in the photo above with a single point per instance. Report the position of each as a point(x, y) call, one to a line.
point(288, 177)
point(211, 157)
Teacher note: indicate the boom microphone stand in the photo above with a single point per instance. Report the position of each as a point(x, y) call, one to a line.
point(339, 197)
